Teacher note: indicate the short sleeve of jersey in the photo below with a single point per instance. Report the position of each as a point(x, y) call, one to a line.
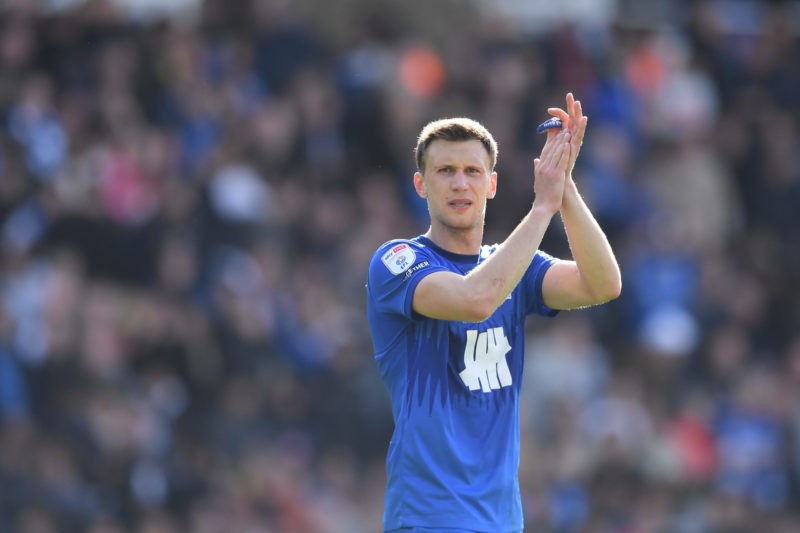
point(533, 284)
point(395, 271)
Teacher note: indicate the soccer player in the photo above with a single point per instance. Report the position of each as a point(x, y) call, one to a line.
point(447, 316)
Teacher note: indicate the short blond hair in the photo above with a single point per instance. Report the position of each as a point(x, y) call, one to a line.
point(454, 129)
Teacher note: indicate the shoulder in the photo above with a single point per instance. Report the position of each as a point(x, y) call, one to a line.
point(398, 255)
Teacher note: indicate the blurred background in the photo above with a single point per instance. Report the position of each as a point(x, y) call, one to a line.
point(190, 193)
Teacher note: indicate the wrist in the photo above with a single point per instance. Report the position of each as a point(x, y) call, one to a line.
point(570, 191)
point(543, 210)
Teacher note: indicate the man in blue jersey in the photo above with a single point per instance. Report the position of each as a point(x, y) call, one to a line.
point(447, 317)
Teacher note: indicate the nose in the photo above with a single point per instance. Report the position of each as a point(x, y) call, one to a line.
point(459, 180)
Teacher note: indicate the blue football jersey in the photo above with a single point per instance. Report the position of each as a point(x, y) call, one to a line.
point(454, 456)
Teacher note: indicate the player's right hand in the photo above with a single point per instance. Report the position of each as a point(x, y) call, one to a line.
point(550, 170)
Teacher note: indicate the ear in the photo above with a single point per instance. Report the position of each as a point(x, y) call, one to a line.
point(419, 185)
point(492, 186)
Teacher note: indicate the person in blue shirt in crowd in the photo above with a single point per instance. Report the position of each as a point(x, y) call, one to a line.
point(447, 317)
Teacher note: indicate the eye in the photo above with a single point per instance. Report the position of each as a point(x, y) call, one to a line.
point(446, 170)
point(474, 170)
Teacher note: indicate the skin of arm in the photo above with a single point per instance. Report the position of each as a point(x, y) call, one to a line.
point(593, 277)
point(474, 297)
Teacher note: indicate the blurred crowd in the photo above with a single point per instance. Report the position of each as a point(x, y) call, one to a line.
point(187, 212)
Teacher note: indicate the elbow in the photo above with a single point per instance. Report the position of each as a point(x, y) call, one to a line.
point(614, 291)
point(478, 313)
point(479, 308)
point(611, 289)
point(617, 289)
point(602, 291)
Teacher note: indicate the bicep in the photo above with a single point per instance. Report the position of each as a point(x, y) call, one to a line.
point(564, 288)
point(443, 295)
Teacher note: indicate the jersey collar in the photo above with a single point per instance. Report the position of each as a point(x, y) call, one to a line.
point(470, 259)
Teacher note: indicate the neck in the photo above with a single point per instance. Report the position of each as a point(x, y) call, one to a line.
point(458, 241)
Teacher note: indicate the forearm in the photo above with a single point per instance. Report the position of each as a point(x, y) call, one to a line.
point(590, 248)
point(494, 279)
point(474, 297)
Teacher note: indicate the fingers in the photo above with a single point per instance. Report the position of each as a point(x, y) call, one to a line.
point(560, 149)
point(579, 122)
point(576, 114)
point(570, 118)
point(555, 148)
point(552, 132)
point(562, 146)
point(565, 156)
point(571, 105)
point(578, 127)
point(561, 114)
point(550, 171)
point(577, 139)
point(552, 148)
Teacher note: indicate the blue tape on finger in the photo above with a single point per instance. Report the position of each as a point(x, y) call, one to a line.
point(548, 124)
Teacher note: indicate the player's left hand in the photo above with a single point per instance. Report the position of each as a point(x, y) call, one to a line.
point(573, 120)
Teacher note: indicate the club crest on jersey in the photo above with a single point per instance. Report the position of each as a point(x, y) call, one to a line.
point(399, 258)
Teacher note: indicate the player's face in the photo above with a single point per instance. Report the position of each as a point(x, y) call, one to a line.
point(457, 182)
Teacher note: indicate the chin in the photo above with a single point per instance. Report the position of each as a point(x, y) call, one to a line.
point(460, 225)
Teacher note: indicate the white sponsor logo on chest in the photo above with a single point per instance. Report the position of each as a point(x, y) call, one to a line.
point(485, 364)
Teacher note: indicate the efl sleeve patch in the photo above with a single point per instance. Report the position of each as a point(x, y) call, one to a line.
point(399, 258)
